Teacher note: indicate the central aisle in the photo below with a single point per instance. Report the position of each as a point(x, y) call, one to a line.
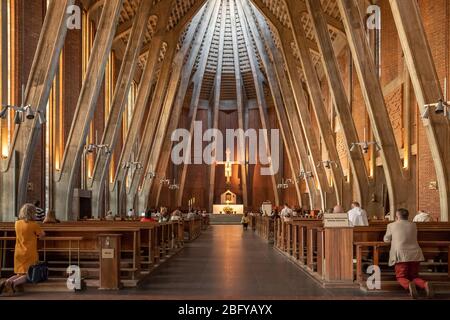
point(226, 262)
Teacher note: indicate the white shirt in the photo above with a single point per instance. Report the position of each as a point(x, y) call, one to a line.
point(358, 217)
point(286, 213)
point(422, 217)
point(130, 213)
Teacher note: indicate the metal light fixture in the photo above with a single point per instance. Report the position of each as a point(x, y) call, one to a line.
point(440, 108)
point(134, 165)
point(305, 175)
point(164, 181)
point(18, 118)
point(327, 164)
point(102, 147)
point(150, 175)
point(284, 184)
point(364, 146)
point(4, 112)
point(22, 112)
point(174, 186)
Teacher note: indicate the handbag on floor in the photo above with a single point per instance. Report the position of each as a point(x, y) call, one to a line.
point(38, 273)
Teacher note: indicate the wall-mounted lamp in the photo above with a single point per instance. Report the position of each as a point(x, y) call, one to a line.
point(305, 175)
point(440, 108)
point(102, 147)
point(284, 184)
point(174, 186)
point(150, 175)
point(327, 164)
point(22, 112)
point(164, 182)
point(364, 146)
point(134, 165)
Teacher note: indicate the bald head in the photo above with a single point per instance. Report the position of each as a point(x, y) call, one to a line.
point(338, 209)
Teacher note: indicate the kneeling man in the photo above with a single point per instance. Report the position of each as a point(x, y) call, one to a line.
point(406, 254)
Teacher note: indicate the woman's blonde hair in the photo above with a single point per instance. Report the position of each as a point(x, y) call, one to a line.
point(27, 212)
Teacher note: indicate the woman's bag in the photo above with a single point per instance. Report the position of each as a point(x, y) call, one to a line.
point(38, 273)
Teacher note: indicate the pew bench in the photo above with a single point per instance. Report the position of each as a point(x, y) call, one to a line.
point(373, 250)
point(144, 246)
point(335, 257)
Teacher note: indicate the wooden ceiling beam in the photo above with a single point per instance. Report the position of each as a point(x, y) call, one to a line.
point(27, 135)
point(114, 122)
point(425, 80)
point(301, 130)
point(173, 103)
point(341, 103)
point(216, 111)
point(196, 98)
point(261, 99)
point(375, 105)
point(87, 102)
point(240, 105)
point(315, 94)
point(145, 87)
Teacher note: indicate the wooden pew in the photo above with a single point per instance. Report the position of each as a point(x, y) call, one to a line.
point(193, 228)
point(143, 246)
point(265, 228)
point(305, 242)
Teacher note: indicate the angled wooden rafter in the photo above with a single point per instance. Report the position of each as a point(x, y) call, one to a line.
point(262, 104)
point(425, 80)
point(375, 104)
point(173, 104)
point(142, 97)
point(341, 103)
point(37, 92)
point(293, 138)
point(198, 81)
point(65, 180)
point(113, 125)
point(216, 111)
point(315, 93)
point(240, 104)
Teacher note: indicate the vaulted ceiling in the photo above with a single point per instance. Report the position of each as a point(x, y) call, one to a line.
point(274, 11)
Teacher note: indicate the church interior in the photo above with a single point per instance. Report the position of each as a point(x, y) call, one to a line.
point(237, 139)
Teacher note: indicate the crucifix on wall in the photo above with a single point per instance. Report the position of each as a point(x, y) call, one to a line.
point(228, 167)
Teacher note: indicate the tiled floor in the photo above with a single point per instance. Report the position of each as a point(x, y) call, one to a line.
point(225, 263)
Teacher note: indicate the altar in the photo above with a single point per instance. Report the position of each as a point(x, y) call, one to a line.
point(228, 209)
point(228, 205)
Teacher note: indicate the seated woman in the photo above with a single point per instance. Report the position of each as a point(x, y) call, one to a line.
point(26, 253)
